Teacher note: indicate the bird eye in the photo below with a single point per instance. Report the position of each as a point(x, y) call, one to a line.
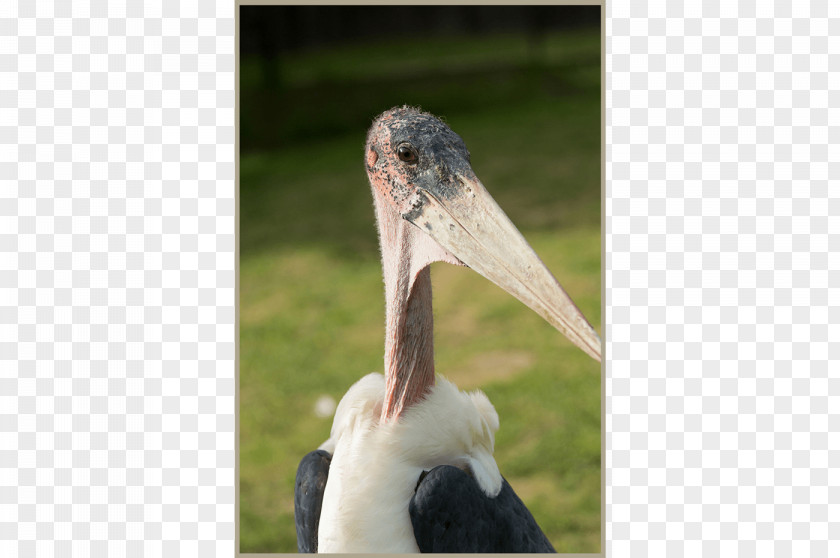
point(406, 154)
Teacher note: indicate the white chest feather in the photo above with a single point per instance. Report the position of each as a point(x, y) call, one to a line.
point(376, 466)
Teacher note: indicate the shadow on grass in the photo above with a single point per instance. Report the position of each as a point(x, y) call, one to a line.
point(269, 118)
point(529, 121)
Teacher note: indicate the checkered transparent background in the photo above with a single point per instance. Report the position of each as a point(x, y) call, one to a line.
point(117, 278)
point(723, 243)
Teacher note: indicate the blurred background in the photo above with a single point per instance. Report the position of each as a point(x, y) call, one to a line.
point(522, 87)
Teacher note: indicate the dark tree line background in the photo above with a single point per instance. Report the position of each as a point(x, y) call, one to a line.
point(268, 30)
point(272, 36)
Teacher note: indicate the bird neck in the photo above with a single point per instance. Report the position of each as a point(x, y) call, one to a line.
point(409, 348)
point(409, 323)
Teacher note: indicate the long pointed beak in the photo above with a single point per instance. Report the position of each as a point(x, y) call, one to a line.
point(472, 226)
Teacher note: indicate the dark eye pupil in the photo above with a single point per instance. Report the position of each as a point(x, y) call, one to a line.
point(405, 154)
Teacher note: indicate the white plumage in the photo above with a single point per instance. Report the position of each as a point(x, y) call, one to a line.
point(375, 465)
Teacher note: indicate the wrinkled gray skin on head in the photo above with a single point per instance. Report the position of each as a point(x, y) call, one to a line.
point(441, 155)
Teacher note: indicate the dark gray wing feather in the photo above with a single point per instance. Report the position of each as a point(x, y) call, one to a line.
point(310, 482)
point(450, 513)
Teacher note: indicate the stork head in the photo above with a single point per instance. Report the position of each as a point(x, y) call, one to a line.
point(419, 171)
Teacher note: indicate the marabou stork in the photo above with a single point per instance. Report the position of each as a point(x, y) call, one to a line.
point(409, 463)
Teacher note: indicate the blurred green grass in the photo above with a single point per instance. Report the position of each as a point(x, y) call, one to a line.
point(311, 294)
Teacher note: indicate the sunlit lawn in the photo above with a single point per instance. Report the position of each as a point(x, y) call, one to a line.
point(312, 309)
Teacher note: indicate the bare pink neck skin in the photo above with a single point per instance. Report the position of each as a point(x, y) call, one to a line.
point(409, 348)
point(409, 336)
